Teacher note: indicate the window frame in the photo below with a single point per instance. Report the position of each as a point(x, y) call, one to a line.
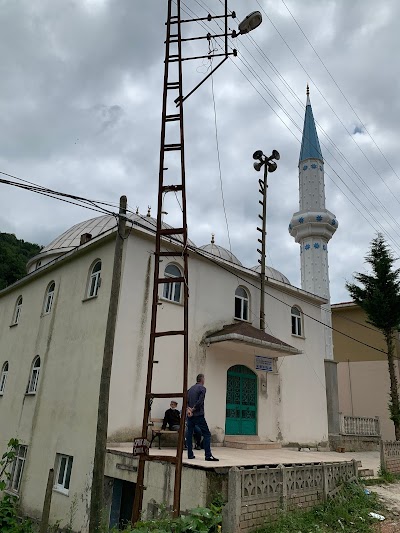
point(297, 322)
point(34, 376)
point(3, 377)
point(49, 298)
point(96, 278)
point(17, 311)
point(67, 472)
point(17, 469)
point(170, 290)
point(242, 300)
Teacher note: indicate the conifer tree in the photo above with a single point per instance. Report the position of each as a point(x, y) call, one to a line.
point(378, 294)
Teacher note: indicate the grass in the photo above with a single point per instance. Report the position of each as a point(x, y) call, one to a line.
point(348, 512)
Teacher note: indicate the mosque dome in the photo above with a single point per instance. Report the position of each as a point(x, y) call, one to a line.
point(272, 273)
point(93, 228)
point(221, 252)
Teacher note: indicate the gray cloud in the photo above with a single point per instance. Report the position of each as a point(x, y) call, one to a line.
point(80, 108)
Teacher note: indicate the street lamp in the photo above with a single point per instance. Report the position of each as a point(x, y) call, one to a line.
point(269, 166)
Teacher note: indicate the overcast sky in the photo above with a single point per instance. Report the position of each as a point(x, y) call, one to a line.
point(80, 112)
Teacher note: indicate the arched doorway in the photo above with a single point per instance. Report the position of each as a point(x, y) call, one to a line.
point(241, 401)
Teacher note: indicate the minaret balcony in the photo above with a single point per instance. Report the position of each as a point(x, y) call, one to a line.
point(320, 223)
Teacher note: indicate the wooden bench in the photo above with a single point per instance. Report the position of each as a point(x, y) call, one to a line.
point(156, 431)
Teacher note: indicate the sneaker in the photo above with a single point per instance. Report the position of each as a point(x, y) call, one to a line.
point(211, 458)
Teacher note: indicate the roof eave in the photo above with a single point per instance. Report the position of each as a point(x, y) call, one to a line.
point(235, 337)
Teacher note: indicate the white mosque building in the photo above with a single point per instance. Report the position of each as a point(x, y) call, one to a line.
point(52, 332)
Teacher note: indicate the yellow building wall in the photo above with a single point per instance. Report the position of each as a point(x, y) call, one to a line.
point(363, 377)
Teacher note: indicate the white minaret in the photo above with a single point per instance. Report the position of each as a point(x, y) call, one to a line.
point(312, 227)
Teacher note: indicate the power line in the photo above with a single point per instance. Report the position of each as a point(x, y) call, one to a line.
point(219, 160)
point(382, 229)
point(210, 257)
point(341, 91)
point(327, 102)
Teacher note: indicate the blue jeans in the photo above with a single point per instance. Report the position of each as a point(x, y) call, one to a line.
point(201, 423)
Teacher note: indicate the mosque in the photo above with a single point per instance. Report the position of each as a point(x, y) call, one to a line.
point(276, 387)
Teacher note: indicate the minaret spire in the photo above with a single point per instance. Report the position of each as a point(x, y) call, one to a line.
point(312, 227)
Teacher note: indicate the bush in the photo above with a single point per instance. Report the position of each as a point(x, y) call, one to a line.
point(201, 520)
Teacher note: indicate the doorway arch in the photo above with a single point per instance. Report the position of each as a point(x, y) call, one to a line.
point(241, 401)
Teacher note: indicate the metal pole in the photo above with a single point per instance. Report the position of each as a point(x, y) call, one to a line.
point(264, 187)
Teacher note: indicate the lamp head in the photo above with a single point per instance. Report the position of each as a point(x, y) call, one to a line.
point(251, 22)
point(257, 165)
point(275, 155)
point(258, 155)
point(272, 166)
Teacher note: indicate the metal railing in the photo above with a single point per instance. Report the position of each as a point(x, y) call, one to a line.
point(360, 425)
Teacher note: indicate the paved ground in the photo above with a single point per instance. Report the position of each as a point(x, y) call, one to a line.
point(233, 457)
point(390, 495)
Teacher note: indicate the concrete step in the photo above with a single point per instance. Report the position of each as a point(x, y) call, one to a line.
point(242, 438)
point(365, 472)
point(252, 445)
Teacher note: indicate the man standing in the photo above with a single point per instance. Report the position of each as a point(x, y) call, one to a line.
point(195, 417)
point(172, 417)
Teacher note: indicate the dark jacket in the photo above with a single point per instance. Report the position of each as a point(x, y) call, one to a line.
point(172, 417)
point(196, 395)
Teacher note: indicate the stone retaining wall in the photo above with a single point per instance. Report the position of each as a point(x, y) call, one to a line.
point(259, 494)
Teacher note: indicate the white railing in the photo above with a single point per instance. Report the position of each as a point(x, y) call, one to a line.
point(360, 425)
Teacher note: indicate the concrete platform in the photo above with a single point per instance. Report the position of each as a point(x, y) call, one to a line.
point(229, 457)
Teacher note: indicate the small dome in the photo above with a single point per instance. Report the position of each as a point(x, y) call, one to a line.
point(94, 227)
point(272, 273)
point(221, 252)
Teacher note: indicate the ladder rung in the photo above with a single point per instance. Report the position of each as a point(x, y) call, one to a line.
point(171, 147)
point(173, 55)
point(171, 280)
point(172, 118)
point(168, 333)
point(171, 231)
point(172, 188)
point(165, 395)
point(173, 85)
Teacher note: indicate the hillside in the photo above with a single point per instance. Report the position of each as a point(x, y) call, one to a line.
point(14, 253)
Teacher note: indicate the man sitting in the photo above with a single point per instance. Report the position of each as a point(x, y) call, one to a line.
point(172, 417)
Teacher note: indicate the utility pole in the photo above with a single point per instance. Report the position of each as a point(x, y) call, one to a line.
point(271, 166)
point(170, 144)
point(97, 492)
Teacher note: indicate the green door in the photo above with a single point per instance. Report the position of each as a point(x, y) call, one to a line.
point(241, 401)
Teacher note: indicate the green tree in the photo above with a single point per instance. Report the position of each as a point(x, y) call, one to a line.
point(14, 254)
point(378, 294)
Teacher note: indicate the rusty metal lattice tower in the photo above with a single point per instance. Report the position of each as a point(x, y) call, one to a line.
point(172, 113)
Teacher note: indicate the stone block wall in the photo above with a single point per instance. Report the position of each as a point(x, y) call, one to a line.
point(258, 495)
point(390, 457)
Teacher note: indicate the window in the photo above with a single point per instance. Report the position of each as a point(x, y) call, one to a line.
point(241, 304)
point(48, 302)
point(63, 477)
point(94, 280)
point(18, 469)
point(17, 312)
point(34, 377)
point(297, 328)
point(3, 378)
point(172, 291)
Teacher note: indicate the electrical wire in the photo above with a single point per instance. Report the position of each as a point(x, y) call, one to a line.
point(341, 91)
point(382, 229)
point(328, 103)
